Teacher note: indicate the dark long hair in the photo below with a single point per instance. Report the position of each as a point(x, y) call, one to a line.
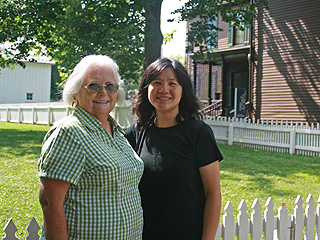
point(189, 104)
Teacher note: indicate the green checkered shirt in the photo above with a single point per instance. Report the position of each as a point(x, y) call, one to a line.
point(103, 200)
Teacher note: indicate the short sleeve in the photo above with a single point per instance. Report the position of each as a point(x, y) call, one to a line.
point(62, 156)
point(206, 149)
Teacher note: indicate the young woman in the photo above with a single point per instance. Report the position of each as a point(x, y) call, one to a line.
point(180, 186)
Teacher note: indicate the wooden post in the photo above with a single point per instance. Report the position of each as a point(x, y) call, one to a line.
point(49, 116)
point(19, 115)
point(33, 115)
point(292, 141)
point(194, 77)
point(210, 84)
point(230, 136)
point(7, 111)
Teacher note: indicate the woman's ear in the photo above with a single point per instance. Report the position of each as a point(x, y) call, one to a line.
point(75, 101)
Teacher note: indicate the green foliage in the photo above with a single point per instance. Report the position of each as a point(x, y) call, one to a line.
point(179, 58)
point(245, 174)
point(72, 29)
point(167, 37)
point(203, 14)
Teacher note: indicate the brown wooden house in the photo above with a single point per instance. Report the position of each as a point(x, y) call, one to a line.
point(276, 60)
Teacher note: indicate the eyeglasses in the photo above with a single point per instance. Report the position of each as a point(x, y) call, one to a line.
point(95, 87)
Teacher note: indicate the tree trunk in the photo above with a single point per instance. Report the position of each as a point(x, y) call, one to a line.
point(153, 34)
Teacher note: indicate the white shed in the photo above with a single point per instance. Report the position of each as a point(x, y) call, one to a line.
point(29, 84)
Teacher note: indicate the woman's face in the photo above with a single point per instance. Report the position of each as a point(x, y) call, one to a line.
point(165, 93)
point(98, 104)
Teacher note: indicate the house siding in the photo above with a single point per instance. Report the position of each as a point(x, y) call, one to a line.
point(287, 61)
point(15, 83)
point(222, 40)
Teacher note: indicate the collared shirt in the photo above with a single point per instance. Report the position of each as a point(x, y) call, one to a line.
point(103, 200)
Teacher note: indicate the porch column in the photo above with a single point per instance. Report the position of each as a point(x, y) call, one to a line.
point(194, 77)
point(210, 84)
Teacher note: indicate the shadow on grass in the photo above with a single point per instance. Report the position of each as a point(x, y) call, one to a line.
point(267, 170)
point(21, 142)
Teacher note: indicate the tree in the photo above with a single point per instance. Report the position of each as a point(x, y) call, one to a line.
point(203, 30)
point(127, 30)
point(153, 35)
point(71, 29)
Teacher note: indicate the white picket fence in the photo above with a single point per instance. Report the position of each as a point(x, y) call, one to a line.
point(276, 136)
point(302, 224)
point(49, 113)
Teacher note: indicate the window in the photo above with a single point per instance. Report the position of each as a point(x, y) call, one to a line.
point(29, 97)
point(237, 36)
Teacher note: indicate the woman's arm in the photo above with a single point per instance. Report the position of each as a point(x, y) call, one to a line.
point(52, 194)
point(211, 183)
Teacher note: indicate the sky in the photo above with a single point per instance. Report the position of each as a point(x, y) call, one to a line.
point(177, 44)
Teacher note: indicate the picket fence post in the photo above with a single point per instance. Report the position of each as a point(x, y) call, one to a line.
point(10, 229)
point(230, 135)
point(310, 218)
point(269, 220)
point(283, 223)
point(242, 227)
point(7, 112)
point(298, 218)
point(256, 224)
point(33, 115)
point(228, 222)
point(33, 229)
point(318, 220)
point(281, 227)
point(292, 141)
point(49, 116)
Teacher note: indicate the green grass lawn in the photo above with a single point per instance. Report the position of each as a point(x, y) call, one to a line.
point(245, 174)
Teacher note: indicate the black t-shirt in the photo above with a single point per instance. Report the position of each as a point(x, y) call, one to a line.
point(171, 188)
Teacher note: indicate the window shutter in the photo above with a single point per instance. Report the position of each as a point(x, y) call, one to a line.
point(247, 28)
point(230, 35)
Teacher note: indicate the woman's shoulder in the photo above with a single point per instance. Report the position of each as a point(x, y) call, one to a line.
point(67, 124)
point(196, 124)
point(131, 133)
point(132, 129)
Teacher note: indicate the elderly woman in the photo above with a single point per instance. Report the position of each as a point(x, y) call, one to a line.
point(89, 175)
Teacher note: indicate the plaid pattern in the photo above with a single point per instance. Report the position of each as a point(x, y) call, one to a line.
point(103, 201)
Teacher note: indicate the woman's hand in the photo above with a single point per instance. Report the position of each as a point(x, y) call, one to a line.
point(211, 183)
point(52, 194)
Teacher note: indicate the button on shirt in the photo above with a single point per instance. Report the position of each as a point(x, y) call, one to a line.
point(103, 200)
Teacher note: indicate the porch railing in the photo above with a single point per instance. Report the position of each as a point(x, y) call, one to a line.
point(214, 109)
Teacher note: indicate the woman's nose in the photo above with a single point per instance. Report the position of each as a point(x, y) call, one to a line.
point(163, 88)
point(103, 91)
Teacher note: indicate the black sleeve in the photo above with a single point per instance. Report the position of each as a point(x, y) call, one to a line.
point(206, 147)
point(131, 135)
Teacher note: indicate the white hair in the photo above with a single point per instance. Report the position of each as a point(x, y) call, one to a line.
point(76, 78)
